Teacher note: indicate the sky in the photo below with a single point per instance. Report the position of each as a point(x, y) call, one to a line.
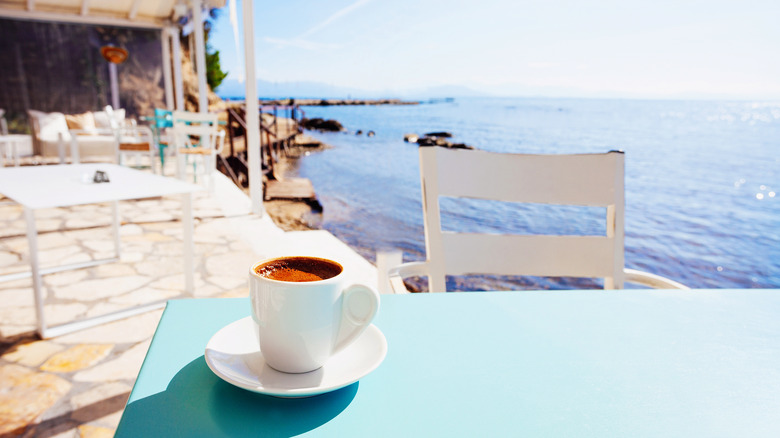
point(633, 49)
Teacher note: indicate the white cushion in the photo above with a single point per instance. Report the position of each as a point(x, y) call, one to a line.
point(50, 125)
point(102, 120)
point(103, 146)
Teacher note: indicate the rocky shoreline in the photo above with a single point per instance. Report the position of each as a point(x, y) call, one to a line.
point(330, 102)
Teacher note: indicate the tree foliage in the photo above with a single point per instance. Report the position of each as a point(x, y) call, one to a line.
point(214, 73)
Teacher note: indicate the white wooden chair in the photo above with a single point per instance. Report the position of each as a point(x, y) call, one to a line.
point(137, 141)
point(577, 179)
point(197, 135)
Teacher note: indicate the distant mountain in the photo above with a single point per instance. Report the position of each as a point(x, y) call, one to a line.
point(442, 91)
point(231, 88)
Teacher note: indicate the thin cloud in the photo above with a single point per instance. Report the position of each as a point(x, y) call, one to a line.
point(300, 44)
point(328, 21)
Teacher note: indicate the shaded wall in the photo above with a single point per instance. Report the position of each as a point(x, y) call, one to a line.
point(58, 67)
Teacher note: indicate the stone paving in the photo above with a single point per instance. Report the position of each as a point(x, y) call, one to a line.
point(76, 385)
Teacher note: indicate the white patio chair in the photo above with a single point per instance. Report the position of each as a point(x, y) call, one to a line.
point(137, 142)
point(197, 135)
point(579, 179)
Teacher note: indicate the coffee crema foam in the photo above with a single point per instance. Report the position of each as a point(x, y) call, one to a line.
point(299, 269)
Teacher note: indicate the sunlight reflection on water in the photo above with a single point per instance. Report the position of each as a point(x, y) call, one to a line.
point(701, 179)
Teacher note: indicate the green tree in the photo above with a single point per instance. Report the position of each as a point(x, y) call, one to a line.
point(214, 73)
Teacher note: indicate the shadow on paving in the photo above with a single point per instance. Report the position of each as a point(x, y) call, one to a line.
point(62, 423)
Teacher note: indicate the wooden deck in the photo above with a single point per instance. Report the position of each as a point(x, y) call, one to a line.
point(300, 189)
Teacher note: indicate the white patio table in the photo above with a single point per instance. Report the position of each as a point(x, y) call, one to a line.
point(37, 187)
point(587, 363)
point(12, 147)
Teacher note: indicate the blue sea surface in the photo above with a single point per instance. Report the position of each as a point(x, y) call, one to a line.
point(702, 181)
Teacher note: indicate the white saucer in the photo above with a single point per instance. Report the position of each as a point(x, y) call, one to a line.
point(233, 354)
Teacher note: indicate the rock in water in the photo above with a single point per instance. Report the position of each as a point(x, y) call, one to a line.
point(319, 124)
point(441, 134)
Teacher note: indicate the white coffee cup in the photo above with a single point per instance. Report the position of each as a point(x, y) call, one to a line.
point(301, 324)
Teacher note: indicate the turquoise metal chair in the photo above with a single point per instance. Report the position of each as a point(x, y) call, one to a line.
point(162, 120)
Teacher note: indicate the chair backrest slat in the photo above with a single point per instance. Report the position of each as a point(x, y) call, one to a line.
point(577, 179)
point(574, 179)
point(204, 126)
point(542, 256)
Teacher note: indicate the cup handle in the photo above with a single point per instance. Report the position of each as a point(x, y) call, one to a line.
point(360, 304)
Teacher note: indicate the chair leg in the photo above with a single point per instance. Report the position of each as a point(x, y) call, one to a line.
point(180, 163)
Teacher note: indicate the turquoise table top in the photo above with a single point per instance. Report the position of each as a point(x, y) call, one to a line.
point(636, 363)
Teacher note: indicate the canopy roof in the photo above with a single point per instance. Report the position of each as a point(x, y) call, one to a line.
point(129, 13)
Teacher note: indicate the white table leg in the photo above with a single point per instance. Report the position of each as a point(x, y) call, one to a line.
point(189, 247)
point(32, 240)
point(181, 173)
point(74, 151)
point(115, 223)
point(61, 147)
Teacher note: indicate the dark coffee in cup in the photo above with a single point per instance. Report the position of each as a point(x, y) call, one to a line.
point(299, 269)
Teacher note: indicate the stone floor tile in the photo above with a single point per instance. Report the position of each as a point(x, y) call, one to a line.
point(77, 358)
point(163, 226)
point(25, 395)
point(81, 223)
point(103, 308)
point(207, 238)
point(126, 366)
point(238, 246)
point(101, 404)
point(114, 270)
point(175, 249)
point(21, 283)
point(101, 288)
point(155, 216)
point(55, 256)
point(59, 429)
point(131, 256)
point(49, 213)
point(90, 431)
point(160, 266)
point(130, 230)
point(151, 236)
point(61, 313)
point(232, 264)
point(215, 228)
point(65, 277)
point(129, 330)
point(144, 296)
point(17, 245)
point(207, 290)
point(54, 240)
point(47, 224)
point(229, 281)
point(8, 258)
point(17, 297)
point(175, 282)
point(10, 329)
point(32, 354)
point(235, 293)
point(80, 257)
point(99, 245)
point(17, 316)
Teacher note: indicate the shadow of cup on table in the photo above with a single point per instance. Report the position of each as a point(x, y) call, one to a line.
point(198, 403)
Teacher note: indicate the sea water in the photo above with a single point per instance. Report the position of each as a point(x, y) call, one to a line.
point(702, 181)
